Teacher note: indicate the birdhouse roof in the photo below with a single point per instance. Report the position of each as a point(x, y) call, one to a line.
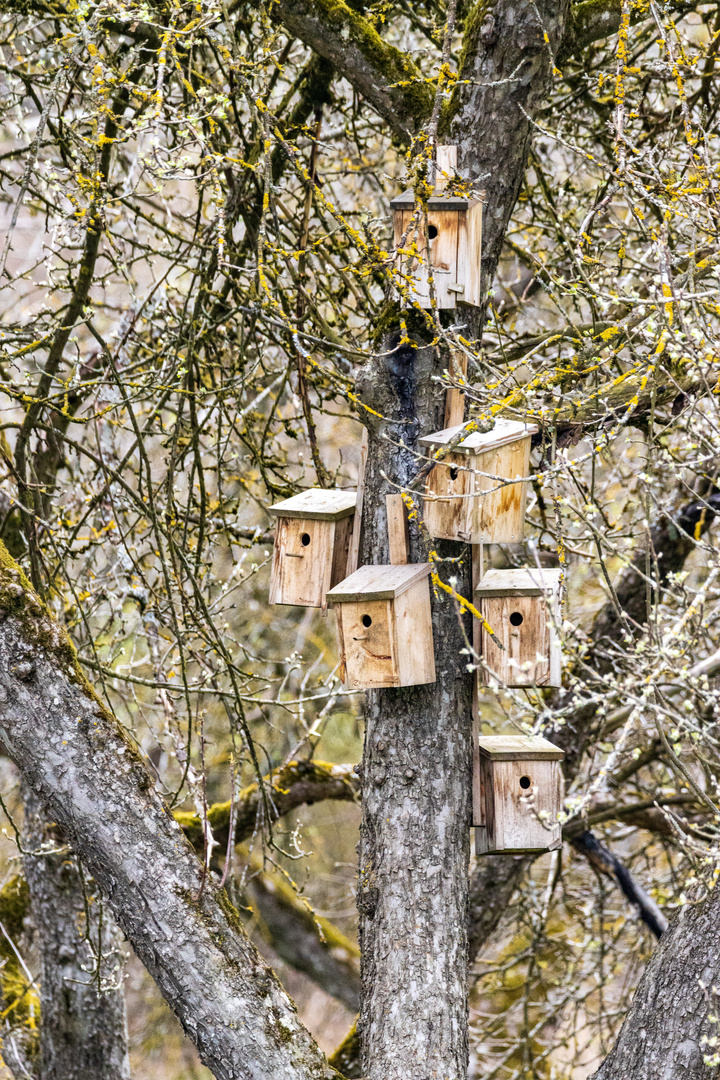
point(477, 442)
point(519, 748)
point(526, 581)
point(378, 583)
point(438, 201)
point(317, 504)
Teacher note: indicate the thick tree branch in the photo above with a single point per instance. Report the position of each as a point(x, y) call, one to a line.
point(608, 864)
point(674, 1006)
point(83, 1028)
point(296, 784)
point(594, 20)
point(89, 774)
point(386, 77)
point(308, 942)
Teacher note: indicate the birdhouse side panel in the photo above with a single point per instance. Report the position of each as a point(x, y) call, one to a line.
point(499, 515)
point(367, 639)
point(341, 549)
point(485, 831)
point(522, 625)
point(527, 798)
point(302, 561)
point(555, 643)
point(448, 515)
point(413, 644)
point(469, 269)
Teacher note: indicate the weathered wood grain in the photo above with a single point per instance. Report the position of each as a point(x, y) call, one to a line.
point(398, 531)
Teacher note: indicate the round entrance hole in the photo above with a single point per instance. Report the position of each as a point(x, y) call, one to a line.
point(525, 782)
point(453, 473)
point(366, 620)
point(516, 618)
point(432, 232)
point(305, 539)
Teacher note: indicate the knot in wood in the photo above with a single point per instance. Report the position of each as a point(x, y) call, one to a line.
point(409, 775)
point(24, 670)
point(381, 746)
point(367, 900)
point(488, 30)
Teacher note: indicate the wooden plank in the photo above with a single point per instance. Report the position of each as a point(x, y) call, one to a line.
point(446, 157)
point(519, 748)
point(523, 792)
point(443, 254)
point(455, 399)
point(478, 791)
point(398, 530)
point(498, 514)
point(302, 562)
point(522, 581)
point(317, 504)
point(522, 625)
point(341, 548)
point(413, 635)
point(446, 506)
point(470, 269)
point(368, 638)
point(505, 431)
point(377, 583)
point(354, 548)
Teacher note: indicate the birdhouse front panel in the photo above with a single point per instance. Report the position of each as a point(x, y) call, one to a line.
point(368, 644)
point(521, 795)
point(312, 540)
point(447, 512)
point(522, 608)
point(441, 253)
point(466, 498)
point(385, 626)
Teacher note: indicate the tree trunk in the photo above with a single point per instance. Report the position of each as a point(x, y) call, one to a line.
point(93, 783)
point(675, 1007)
point(416, 772)
point(83, 1029)
point(416, 775)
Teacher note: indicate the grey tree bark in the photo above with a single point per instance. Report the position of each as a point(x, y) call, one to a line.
point(414, 847)
point(83, 1030)
point(671, 1016)
point(94, 784)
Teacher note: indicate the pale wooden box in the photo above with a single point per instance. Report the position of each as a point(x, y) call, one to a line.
point(312, 538)
point(385, 626)
point(465, 497)
point(521, 795)
point(454, 238)
point(523, 609)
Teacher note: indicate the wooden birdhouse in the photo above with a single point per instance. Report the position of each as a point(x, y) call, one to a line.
point(452, 245)
point(385, 627)
point(467, 496)
point(521, 795)
point(523, 609)
point(312, 540)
